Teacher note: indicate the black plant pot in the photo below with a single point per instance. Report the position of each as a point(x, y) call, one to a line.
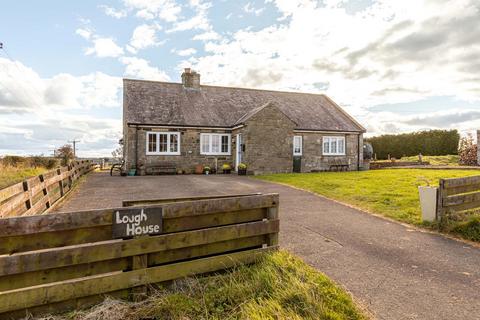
point(227, 171)
point(242, 172)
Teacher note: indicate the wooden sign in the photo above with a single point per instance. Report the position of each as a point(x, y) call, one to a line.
point(134, 222)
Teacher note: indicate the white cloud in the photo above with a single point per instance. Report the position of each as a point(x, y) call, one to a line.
point(85, 33)
point(167, 10)
point(38, 114)
point(144, 36)
point(209, 35)
point(140, 68)
point(389, 52)
point(104, 47)
point(114, 13)
point(250, 8)
point(199, 21)
point(185, 52)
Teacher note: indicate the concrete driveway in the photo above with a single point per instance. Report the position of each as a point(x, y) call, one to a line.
point(395, 271)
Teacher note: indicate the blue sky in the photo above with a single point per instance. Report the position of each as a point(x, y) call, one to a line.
point(396, 66)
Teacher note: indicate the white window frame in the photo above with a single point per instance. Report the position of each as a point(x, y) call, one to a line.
point(220, 135)
point(301, 146)
point(329, 140)
point(157, 139)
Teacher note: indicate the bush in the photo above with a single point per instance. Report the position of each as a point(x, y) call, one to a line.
point(429, 143)
point(13, 161)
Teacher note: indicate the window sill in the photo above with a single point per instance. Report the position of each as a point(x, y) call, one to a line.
point(163, 154)
point(334, 154)
point(215, 154)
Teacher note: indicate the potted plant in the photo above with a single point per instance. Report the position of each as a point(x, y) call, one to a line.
point(242, 169)
point(207, 169)
point(226, 168)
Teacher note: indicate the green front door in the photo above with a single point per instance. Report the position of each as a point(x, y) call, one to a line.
point(297, 164)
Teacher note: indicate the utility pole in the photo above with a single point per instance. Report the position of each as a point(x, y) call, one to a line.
point(74, 142)
point(54, 150)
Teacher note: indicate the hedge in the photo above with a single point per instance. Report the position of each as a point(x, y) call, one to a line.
point(428, 143)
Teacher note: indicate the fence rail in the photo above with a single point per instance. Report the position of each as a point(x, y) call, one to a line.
point(39, 193)
point(56, 262)
point(458, 194)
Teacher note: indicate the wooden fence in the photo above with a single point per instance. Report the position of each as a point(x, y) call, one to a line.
point(57, 262)
point(37, 194)
point(458, 194)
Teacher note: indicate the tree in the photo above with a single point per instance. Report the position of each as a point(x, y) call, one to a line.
point(65, 153)
point(467, 151)
point(118, 153)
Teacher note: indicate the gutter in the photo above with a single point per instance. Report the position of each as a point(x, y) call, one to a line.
point(358, 153)
point(150, 125)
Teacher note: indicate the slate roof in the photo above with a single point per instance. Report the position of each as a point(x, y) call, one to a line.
point(165, 103)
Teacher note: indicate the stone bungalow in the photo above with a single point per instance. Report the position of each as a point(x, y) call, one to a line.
point(187, 124)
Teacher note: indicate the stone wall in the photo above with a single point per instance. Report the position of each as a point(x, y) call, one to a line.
point(268, 138)
point(189, 150)
point(314, 160)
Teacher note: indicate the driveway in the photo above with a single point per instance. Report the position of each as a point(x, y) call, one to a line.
point(395, 271)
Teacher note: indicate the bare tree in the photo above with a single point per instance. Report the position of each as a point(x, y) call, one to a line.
point(65, 153)
point(118, 153)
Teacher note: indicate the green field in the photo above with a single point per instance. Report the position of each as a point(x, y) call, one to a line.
point(11, 175)
point(392, 193)
point(450, 160)
point(280, 286)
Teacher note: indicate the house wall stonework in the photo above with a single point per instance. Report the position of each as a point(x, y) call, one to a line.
point(268, 138)
point(189, 151)
point(314, 160)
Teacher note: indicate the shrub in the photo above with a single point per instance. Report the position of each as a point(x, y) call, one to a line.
point(428, 143)
point(13, 161)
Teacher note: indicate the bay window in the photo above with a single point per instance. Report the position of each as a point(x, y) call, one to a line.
point(163, 143)
point(334, 146)
point(215, 143)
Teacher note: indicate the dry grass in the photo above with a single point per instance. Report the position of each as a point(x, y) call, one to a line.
point(280, 286)
point(10, 175)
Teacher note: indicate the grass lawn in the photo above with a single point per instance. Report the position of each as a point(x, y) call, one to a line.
point(280, 286)
point(11, 175)
point(391, 192)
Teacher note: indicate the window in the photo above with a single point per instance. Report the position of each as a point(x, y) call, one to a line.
point(334, 146)
point(297, 145)
point(215, 143)
point(159, 143)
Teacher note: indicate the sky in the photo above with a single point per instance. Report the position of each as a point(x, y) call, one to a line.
point(396, 66)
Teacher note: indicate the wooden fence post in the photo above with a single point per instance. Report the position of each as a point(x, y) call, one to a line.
point(272, 214)
point(60, 183)
point(440, 195)
point(28, 203)
point(45, 192)
point(139, 262)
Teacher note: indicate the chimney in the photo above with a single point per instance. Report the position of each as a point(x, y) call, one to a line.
point(190, 79)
